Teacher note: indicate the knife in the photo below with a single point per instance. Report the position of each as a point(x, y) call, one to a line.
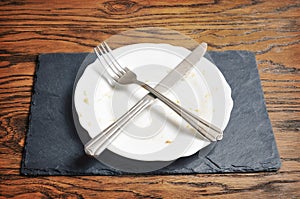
point(100, 142)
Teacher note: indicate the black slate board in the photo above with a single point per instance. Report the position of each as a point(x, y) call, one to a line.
point(54, 148)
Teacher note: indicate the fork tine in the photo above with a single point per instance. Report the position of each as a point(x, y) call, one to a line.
point(104, 63)
point(116, 63)
point(103, 52)
point(98, 53)
point(113, 62)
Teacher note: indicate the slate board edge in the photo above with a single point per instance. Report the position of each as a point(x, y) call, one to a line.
point(23, 169)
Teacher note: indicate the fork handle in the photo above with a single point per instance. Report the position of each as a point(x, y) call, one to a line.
point(101, 141)
point(206, 129)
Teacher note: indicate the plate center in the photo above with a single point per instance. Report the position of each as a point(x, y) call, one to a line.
point(151, 120)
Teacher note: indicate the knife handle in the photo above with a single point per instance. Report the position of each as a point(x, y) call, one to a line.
point(207, 130)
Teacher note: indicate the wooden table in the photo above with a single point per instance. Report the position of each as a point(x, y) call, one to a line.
point(268, 28)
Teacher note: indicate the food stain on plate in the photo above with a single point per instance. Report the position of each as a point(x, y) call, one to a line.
point(86, 100)
point(207, 95)
point(192, 75)
point(108, 94)
point(168, 141)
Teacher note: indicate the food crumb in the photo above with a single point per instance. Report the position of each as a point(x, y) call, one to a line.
point(189, 127)
point(168, 142)
point(86, 100)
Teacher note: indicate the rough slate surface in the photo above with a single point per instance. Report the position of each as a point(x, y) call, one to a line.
point(54, 148)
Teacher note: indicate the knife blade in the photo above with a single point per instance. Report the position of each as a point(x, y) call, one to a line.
point(100, 142)
point(182, 68)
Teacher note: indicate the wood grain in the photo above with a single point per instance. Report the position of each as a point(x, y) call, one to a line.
point(268, 28)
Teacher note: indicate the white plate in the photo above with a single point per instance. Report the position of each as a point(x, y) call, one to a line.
point(160, 135)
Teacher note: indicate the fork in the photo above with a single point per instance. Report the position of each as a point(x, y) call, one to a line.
point(124, 76)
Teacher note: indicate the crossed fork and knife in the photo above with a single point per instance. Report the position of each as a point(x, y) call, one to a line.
point(124, 76)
